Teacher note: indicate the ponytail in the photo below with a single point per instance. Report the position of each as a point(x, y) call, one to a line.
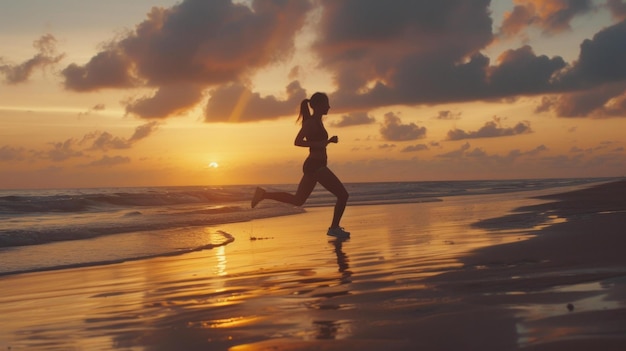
point(316, 101)
point(305, 113)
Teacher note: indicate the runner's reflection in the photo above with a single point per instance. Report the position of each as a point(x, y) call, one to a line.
point(342, 261)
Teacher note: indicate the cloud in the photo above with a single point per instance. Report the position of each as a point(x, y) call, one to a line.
point(354, 119)
point(551, 16)
point(448, 115)
point(79, 147)
point(108, 69)
point(618, 9)
point(168, 100)
point(426, 53)
point(392, 129)
point(105, 141)
point(386, 146)
point(46, 56)
point(62, 151)
point(108, 161)
point(379, 53)
point(597, 79)
point(466, 152)
point(431, 53)
point(414, 148)
point(95, 108)
point(537, 150)
point(237, 103)
point(520, 71)
point(602, 59)
point(143, 131)
point(194, 45)
point(9, 153)
point(608, 100)
point(491, 129)
point(458, 153)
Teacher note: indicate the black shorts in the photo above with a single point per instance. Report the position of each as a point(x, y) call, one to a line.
point(312, 165)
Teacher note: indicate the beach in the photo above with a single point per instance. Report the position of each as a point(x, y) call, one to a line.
point(531, 270)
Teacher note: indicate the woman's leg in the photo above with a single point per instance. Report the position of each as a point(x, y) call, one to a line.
point(330, 181)
point(306, 186)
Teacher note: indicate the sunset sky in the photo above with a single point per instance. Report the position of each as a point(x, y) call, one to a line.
point(199, 92)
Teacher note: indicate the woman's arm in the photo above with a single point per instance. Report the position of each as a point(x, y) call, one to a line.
point(301, 139)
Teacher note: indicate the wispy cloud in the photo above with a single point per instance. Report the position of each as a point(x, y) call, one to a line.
point(108, 161)
point(354, 119)
point(491, 129)
point(551, 16)
point(46, 56)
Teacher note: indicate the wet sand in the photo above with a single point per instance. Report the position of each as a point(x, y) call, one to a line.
point(489, 272)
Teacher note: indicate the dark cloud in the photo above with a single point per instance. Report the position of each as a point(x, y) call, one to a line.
point(429, 55)
point(46, 56)
point(491, 129)
point(379, 53)
point(551, 16)
point(602, 59)
point(237, 103)
point(608, 100)
point(520, 71)
point(426, 53)
point(597, 80)
point(108, 69)
point(193, 44)
point(392, 129)
point(354, 119)
point(167, 101)
point(618, 9)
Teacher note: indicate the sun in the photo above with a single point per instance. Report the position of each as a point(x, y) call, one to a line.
point(213, 165)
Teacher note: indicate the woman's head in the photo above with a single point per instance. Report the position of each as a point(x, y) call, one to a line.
point(318, 102)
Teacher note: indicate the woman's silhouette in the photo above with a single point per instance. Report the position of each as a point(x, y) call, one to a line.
point(314, 136)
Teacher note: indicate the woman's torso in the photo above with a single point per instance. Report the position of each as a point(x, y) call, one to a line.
point(315, 131)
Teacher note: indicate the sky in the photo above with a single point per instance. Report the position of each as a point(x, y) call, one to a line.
point(194, 92)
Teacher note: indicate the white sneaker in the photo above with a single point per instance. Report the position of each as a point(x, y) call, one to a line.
point(338, 232)
point(258, 196)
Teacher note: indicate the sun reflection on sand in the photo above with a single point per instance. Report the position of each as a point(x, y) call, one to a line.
point(220, 255)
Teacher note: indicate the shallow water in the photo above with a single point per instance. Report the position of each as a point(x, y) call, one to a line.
point(284, 279)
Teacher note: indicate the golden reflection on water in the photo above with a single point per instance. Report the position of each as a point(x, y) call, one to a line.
point(295, 283)
point(220, 255)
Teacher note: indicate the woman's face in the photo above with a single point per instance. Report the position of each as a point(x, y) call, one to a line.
point(322, 107)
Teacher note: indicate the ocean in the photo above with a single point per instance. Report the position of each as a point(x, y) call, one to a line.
point(59, 228)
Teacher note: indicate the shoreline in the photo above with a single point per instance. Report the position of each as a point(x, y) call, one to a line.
point(467, 273)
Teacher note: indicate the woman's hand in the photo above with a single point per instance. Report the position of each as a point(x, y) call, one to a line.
point(333, 139)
